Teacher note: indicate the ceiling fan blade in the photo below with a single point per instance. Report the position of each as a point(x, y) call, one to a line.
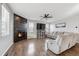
point(41, 18)
point(47, 15)
point(50, 16)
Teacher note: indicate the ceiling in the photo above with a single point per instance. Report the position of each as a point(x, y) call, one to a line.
point(33, 11)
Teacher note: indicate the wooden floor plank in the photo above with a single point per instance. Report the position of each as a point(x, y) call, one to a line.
point(38, 47)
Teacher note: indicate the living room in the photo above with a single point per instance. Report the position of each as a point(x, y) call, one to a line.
point(39, 29)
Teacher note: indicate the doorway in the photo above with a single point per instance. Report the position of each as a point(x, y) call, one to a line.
point(40, 31)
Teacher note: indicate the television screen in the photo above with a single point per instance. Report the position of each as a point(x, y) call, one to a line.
point(40, 26)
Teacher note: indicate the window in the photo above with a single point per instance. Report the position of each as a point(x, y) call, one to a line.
point(31, 26)
point(5, 21)
point(51, 28)
point(47, 28)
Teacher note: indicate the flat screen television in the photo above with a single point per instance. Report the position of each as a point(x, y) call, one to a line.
point(40, 26)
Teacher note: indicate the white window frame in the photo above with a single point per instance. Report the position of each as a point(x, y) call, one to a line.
point(31, 27)
point(47, 28)
point(5, 21)
point(51, 28)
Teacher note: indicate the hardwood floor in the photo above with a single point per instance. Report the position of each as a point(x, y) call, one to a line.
point(38, 47)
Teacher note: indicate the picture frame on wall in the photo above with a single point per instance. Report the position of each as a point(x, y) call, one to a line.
point(60, 25)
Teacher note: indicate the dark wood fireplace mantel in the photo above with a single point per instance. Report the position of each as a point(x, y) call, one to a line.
point(20, 32)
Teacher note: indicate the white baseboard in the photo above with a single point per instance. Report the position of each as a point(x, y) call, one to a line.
point(7, 49)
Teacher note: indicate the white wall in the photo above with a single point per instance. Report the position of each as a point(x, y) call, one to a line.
point(6, 41)
point(71, 23)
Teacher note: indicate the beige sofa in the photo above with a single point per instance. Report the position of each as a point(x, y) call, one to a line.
point(62, 42)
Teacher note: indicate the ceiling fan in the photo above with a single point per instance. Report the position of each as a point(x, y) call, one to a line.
point(46, 16)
